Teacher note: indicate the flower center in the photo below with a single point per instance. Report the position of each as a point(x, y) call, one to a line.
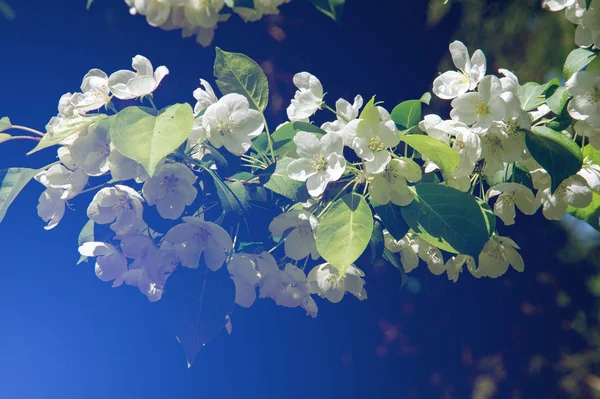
point(595, 94)
point(432, 254)
point(510, 128)
point(481, 108)
point(496, 253)
point(225, 128)
point(390, 175)
point(319, 162)
point(335, 280)
point(200, 237)
point(375, 144)
point(169, 183)
point(304, 230)
point(494, 145)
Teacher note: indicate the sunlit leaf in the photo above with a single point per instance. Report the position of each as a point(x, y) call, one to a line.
point(147, 138)
point(238, 73)
point(332, 8)
point(12, 181)
point(577, 60)
point(65, 129)
point(440, 153)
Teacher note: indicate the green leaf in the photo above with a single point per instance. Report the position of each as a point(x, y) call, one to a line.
point(532, 96)
point(196, 306)
point(577, 60)
point(5, 124)
point(425, 98)
point(332, 8)
point(283, 138)
point(65, 129)
point(555, 152)
point(85, 235)
point(391, 217)
point(237, 73)
point(146, 138)
point(89, 4)
point(557, 99)
point(12, 181)
point(441, 154)
point(240, 4)
point(344, 231)
point(4, 137)
point(376, 243)
point(407, 114)
point(392, 259)
point(447, 218)
point(233, 195)
point(370, 113)
point(590, 214)
point(275, 178)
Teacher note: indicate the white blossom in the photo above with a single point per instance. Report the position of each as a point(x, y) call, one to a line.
point(300, 241)
point(345, 113)
point(95, 92)
point(590, 171)
point(583, 128)
point(407, 247)
point(51, 207)
point(587, 32)
point(451, 84)
point(321, 161)
point(119, 205)
point(573, 191)
point(156, 11)
point(110, 263)
point(194, 238)
point(91, 149)
point(328, 282)
point(126, 84)
point(308, 98)
point(171, 189)
point(481, 108)
point(509, 195)
point(497, 254)
point(468, 146)
point(71, 183)
point(123, 168)
point(372, 140)
point(390, 185)
point(245, 275)
point(205, 97)
point(558, 5)
point(231, 123)
point(585, 105)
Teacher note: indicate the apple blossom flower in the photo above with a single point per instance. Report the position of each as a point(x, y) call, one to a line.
point(590, 171)
point(587, 32)
point(126, 85)
point(497, 254)
point(205, 97)
point(91, 149)
point(321, 161)
point(451, 84)
point(509, 195)
point(328, 282)
point(390, 185)
point(110, 263)
point(584, 86)
point(70, 182)
point(481, 108)
point(171, 189)
point(195, 237)
point(119, 205)
point(407, 247)
point(245, 275)
point(557, 5)
point(300, 241)
point(346, 112)
point(231, 123)
point(583, 128)
point(308, 98)
point(372, 140)
point(468, 146)
point(95, 92)
point(573, 191)
point(156, 11)
point(51, 207)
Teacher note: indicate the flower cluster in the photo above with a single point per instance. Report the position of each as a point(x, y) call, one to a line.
point(584, 14)
point(199, 18)
point(299, 212)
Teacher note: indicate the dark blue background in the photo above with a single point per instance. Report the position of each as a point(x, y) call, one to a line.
point(65, 334)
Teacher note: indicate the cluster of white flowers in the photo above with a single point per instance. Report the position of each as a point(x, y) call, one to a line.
point(362, 150)
point(587, 19)
point(199, 17)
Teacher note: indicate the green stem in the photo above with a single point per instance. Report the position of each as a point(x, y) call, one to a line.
point(28, 129)
point(269, 139)
point(335, 198)
point(342, 117)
